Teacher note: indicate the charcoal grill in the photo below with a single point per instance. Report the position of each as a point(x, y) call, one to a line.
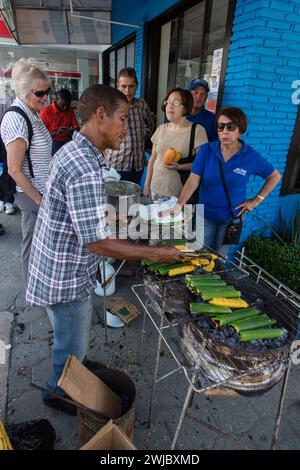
point(209, 362)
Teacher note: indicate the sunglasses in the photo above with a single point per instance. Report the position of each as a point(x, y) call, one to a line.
point(41, 93)
point(230, 126)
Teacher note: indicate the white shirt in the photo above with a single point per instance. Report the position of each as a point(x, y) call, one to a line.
point(14, 127)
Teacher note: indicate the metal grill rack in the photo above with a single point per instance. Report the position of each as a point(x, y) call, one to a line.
point(165, 303)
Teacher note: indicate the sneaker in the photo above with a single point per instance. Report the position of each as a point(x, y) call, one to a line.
point(9, 208)
point(2, 206)
point(61, 405)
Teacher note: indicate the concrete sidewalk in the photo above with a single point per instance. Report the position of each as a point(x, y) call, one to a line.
point(250, 420)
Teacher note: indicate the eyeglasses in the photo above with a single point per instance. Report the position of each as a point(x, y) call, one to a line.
point(41, 93)
point(174, 103)
point(230, 126)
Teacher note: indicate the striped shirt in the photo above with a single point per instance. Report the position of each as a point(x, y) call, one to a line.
point(61, 267)
point(14, 127)
point(131, 154)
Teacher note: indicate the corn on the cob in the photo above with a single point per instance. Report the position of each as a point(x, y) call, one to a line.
point(254, 323)
point(199, 262)
point(4, 440)
point(233, 303)
point(209, 267)
point(261, 334)
point(206, 308)
point(184, 269)
point(194, 277)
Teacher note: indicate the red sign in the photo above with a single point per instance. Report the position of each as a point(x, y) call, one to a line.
point(4, 31)
point(7, 74)
point(64, 74)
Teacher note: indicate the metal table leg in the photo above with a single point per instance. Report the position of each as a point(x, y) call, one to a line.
point(161, 324)
point(280, 406)
point(142, 333)
point(186, 404)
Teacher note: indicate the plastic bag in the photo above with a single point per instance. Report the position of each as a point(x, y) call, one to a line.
point(32, 435)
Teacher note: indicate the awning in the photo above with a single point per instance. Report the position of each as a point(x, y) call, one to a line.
point(58, 22)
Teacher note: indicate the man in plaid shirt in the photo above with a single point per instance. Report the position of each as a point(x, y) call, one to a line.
point(130, 159)
point(71, 232)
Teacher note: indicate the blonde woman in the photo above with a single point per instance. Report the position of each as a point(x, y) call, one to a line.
point(164, 180)
point(21, 129)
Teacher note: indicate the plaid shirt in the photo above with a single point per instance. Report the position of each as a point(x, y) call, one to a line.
point(62, 269)
point(140, 126)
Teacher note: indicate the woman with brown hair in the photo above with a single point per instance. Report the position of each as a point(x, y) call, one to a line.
point(164, 180)
point(223, 168)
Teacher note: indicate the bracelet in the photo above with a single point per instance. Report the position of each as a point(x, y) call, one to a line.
point(260, 196)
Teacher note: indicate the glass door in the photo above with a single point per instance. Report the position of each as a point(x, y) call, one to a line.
point(180, 52)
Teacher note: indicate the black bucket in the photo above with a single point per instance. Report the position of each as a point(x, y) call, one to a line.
point(89, 423)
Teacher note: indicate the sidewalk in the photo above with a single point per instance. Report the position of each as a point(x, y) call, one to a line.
point(28, 330)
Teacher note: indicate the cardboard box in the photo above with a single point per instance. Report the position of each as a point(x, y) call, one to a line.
point(123, 309)
point(110, 437)
point(87, 389)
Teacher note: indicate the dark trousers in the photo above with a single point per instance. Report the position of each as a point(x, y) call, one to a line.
point(7, 187)
point(131, 175)
point(56, 146)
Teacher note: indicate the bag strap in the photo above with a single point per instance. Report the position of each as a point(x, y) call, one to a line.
point(22, 113)
point(225, 189)
point(192, 140)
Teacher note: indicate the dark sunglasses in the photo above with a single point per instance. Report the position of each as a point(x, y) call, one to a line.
point(230, 126)
point(41, 93)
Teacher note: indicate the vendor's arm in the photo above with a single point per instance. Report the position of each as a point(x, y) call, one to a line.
point(123, 249)
point(15, 159)
point(268, 186)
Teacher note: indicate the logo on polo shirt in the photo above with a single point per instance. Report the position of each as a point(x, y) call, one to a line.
point(240, 171)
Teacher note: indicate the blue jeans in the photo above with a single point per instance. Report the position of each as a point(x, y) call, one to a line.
point(71, 322)
point(131, 175)
point(214, 232)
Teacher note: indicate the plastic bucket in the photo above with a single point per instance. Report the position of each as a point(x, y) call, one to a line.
point(89, 423)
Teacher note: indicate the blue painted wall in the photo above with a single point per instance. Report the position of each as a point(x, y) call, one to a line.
point(263, 62)
point(136, 12)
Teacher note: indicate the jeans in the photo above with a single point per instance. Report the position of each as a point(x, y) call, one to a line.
point(214, 232)
point(131, 175)
point(56, 145)
point(71, 322)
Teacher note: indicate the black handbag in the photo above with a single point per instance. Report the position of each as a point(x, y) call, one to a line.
point(184, 174)
point(234, 228)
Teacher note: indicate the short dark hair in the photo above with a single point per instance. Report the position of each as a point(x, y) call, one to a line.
point(187, 99)
point(99, 95)
point(236, 115)
point(65, 95)
point(128, 72)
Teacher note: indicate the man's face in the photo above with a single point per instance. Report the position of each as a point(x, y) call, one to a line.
point(62, 105)
point(114, 127)
point(127, 86)
point(199, 96)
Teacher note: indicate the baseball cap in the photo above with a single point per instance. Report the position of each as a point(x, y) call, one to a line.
point(198, 82)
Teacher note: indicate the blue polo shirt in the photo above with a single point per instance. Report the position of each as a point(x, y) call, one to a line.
point(207, 120)
point(237, 171)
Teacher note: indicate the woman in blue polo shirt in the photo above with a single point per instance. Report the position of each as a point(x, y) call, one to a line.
point(238, 161)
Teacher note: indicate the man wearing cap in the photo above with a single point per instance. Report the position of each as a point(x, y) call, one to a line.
point(199, 89)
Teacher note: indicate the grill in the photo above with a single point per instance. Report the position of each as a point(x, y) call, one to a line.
point(217, 356)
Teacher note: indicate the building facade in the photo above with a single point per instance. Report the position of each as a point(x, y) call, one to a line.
point(248, 50)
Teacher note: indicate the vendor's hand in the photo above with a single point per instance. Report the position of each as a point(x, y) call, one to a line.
point(247, 206)
point(146, 191)
point(167, 254)
point(173, 166)
point(173, 212)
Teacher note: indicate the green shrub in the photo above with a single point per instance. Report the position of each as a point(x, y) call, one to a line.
point(282, 261)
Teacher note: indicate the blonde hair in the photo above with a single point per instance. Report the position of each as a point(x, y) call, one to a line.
point(24, 74)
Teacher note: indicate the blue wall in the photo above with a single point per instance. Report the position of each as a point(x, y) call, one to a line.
point(263, 62)
point(136, 12)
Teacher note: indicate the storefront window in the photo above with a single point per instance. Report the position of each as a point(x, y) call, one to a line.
point(291, 179)
point(117, 57)
point(192, 44)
